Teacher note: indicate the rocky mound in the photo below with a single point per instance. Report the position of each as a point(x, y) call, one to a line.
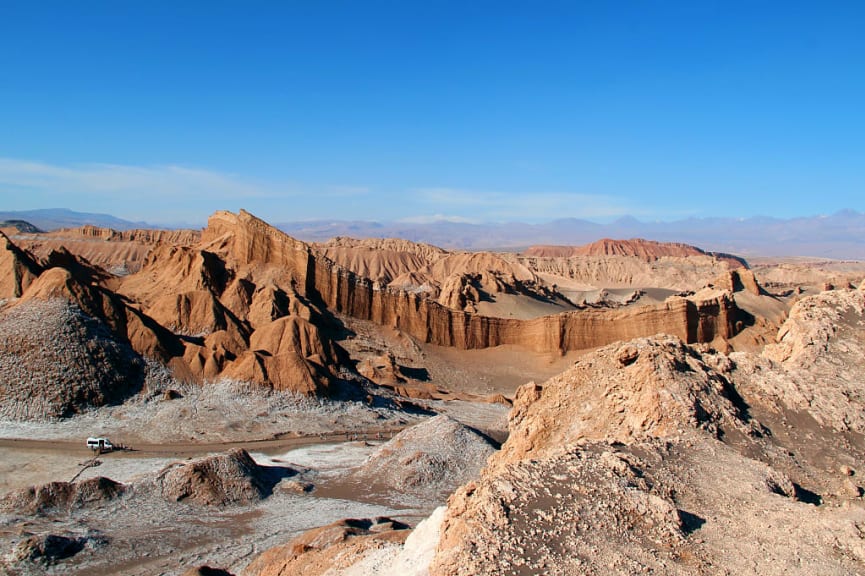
point(649, 387)
point(220, 480)
point(817, 363)
point(45, 549)
point(660, 507)
point(429, 459)
point(331, 548)
point(61, 497)
point(56, 361)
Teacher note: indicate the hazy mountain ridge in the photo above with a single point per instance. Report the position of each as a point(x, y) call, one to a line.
point(840, 235)
point(56, 218)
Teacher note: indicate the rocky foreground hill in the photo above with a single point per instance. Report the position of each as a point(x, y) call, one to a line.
point(650, 456)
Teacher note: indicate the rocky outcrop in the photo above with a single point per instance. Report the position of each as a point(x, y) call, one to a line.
point(144, 335)
point(244, 238)
point(332, 548)
point(380, 261)
point(121, 252)
point(817, 362)
point(642, 458)
point(738, 280)
point(646, 388)
point(425, 252)
point(62, 497)
point(252, 304)
point(248, 256)
point(18, 269)
point(45, 549)
point(143, 236)
point(657, 506)
point(382, 369)
point(220, 480)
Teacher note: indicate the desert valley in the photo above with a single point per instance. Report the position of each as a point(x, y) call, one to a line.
point(380, 406)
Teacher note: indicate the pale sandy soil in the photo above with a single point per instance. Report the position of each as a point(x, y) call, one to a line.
point(520, 307)
point(499, 370)
point(143, 534)
point(140, 533)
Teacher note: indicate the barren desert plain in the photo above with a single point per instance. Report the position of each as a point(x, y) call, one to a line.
point(379, 406)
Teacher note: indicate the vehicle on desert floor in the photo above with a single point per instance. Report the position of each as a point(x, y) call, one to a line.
point(100, 444)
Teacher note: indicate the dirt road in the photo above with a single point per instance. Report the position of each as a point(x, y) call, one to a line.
point(274, 444)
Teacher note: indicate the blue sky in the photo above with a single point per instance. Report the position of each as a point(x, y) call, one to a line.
point(477, 111)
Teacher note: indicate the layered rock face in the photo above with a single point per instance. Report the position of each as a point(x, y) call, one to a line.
point(639, 248)
point(250, 303)
point(117, 251)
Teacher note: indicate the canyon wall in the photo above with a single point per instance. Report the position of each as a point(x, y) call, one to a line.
point(422, 318)
point(244, 239)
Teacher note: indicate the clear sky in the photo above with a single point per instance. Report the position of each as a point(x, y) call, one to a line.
point(483, 111)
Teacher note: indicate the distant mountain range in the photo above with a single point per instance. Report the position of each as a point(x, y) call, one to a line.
point(55, 218)
point(840, 235)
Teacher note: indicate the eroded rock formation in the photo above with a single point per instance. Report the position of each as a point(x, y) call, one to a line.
point(248, 302)
point(638, 248)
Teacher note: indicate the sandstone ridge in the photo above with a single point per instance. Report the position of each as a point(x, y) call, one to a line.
point(637, 247)
point(250, 303)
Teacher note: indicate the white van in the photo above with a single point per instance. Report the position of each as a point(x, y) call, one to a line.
point(100, 444)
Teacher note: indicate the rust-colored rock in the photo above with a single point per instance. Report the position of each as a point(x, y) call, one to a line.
point(737, 280)
point(637, 248)
point(248, 302)
point(330, 548)
point(18, 269)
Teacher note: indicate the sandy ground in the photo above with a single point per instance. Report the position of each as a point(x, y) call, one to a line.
point(141, 533)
